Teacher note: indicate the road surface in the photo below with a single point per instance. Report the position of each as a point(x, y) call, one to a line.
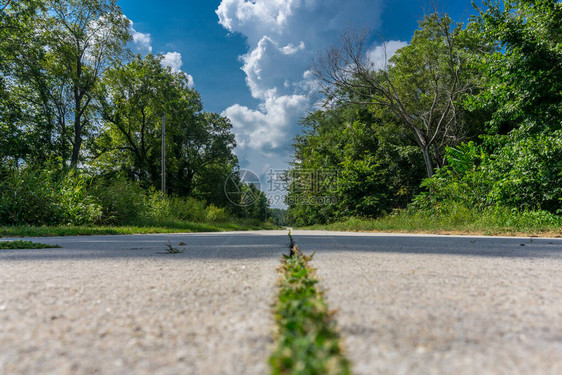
point(406, 304)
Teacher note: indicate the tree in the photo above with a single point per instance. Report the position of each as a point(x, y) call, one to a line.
point(202, 149)
point(421, 87)
point(56, 68)
point(519, 164)
point(15, 17)
point(351, 162)
point(524, 74)
point(133, 99)
point(85, 37)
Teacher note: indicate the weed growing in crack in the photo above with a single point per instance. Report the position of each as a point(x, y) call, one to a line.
point(307, 339)
point(172, 250)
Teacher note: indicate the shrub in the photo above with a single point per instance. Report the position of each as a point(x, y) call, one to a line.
point(122, 201)
point(216, 214)
point(525, 173)
point(33, 196)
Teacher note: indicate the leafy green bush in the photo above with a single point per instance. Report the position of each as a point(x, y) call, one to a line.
point(189, 209)
point(122, 201)
point(528, 173)
point(525, 173)
point(33, 196)
point(75, 205)
point(216, 214)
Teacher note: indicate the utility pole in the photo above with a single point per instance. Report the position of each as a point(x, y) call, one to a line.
point(164, 155)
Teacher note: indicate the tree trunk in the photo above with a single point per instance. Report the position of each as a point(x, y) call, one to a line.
point(77, 144)
point(428, 162)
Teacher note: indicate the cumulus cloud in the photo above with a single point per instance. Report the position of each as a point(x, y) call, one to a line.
point(263, 136)
point(269, 127)
point(173, 60)
point(142, 42)
point(283, 36)
point(273, 69)
point(286, 21)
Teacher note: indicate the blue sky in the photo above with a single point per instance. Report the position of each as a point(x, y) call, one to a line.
point(249, 59)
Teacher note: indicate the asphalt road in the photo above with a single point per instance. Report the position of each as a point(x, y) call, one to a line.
point(410, 304)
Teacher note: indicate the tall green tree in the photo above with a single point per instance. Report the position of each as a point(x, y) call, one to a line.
point(524, 74)
point(85, 37)
point(134, 98)
point(56, 69)
point(519, 165)
point(421, 87)
point(351, 162)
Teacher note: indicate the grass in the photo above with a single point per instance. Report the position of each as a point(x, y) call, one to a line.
point(141, 228)
point(307, 340)
point(11, 245)
point(458, 220)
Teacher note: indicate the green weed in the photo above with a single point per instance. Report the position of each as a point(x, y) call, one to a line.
point(10, 245)
point(307, 339)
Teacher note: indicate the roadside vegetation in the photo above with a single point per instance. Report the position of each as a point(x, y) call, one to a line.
point(461, 131)
point(11, 245)
point(81, 130)
point(307, 341)
point(457, 220)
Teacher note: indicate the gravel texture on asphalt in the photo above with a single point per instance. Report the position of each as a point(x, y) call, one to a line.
point(419, 305)
point(113, 305)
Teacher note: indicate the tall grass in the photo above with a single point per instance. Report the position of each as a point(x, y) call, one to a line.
point(458, 218)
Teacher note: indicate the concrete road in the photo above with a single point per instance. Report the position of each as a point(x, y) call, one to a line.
point(408, 304)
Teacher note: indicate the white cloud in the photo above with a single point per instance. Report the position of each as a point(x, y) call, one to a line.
point(271, 68)
point(142, 42)
point(190, 81)
point(263, 136)
point(173, 60)
point(268, 128)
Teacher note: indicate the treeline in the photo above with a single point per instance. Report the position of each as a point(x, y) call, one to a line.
point(463, 116)
point(81, 122)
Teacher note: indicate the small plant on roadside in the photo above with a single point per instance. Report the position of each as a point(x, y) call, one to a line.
point(172, 250)
point(307, 339)
point(291, 244)
point(12, 245)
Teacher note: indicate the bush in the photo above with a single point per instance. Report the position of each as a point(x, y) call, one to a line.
point(216, 214)
point(33, 196)
point(122, 201)
point(524, 173)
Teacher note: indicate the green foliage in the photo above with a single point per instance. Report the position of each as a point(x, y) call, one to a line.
point(25, 245)
point(37, 197)
point(123, 202)
point(307, 341)
point(359, 165)
point(278, 216)
point(525, 173)
point(134, 98)
point(453, 217)
point(524, 75)
point(216, 214)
